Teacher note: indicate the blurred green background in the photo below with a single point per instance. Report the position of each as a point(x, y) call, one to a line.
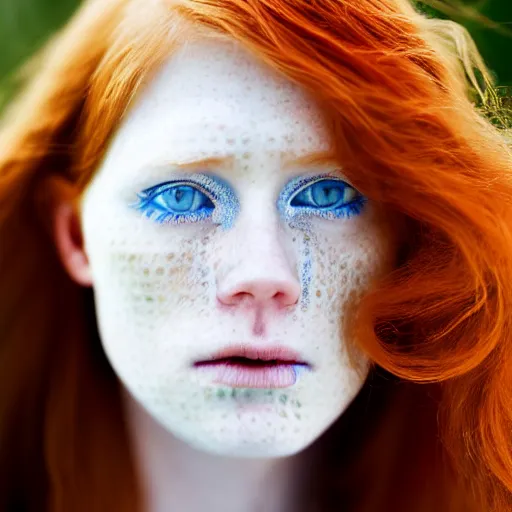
point(26, 24)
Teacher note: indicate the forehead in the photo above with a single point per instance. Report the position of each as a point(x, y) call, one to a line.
point(213, 97)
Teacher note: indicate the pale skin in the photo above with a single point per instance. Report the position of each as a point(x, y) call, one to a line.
point(168, 293)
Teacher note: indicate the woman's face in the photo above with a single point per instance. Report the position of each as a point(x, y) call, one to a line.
point(212, 224)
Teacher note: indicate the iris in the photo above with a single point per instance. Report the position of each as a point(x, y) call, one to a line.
point(325, 194)
point(175, 202)
point(322, 196)
point(181, 199)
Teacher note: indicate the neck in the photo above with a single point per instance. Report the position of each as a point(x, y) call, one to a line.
point(175, 476)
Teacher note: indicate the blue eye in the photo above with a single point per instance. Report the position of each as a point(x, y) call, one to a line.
point(328, 198)
point(175, 202)
point(326, 194)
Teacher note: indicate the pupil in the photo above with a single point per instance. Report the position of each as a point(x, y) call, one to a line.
point(328, 192)
point(179, 194)
point(181, 199)
point(327, 195)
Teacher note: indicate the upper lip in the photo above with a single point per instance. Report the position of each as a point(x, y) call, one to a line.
point(263, 353)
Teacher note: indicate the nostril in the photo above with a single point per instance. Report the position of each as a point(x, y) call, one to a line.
point(240, 298)
point(281, 298)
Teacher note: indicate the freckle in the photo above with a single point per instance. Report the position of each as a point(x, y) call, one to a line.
point(318, 293)
point(170, 257)
point(159, 271)
point(148, 298)
point(146, 271)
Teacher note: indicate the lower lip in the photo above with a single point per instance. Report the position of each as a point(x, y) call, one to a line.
point(241, 376)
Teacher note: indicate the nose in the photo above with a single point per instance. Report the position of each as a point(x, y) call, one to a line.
point(259, 272)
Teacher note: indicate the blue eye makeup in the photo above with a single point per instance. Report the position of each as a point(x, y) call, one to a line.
point(202, 197)
point(197, 199)
point(321, 196)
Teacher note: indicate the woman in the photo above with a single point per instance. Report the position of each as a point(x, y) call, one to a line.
point(297, 229)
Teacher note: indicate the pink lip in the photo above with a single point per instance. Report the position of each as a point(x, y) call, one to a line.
point(271, 353)
point(253, 367)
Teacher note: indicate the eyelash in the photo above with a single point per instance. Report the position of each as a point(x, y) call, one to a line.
point(301, 184)
point(149, 207)
point(216, 192)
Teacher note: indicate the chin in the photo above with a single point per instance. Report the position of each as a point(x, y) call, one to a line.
point(251, 449)
point(239, 442)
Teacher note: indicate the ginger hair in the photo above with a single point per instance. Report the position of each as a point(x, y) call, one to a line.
point(431, 429)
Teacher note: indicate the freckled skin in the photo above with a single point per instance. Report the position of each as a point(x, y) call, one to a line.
point(157, 285)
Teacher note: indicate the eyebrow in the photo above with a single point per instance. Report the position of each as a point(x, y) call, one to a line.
point(316, 158)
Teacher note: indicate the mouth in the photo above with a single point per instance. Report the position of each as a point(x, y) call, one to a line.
point(250, 367)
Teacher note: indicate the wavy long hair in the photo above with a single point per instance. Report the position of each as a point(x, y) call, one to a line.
point(432, 427)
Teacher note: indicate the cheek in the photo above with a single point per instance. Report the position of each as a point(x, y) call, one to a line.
point(340, 268)
point(139, 291)
point(343, 271)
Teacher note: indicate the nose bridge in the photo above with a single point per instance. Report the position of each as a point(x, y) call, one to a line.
point(262, 248)
point(259, 266)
